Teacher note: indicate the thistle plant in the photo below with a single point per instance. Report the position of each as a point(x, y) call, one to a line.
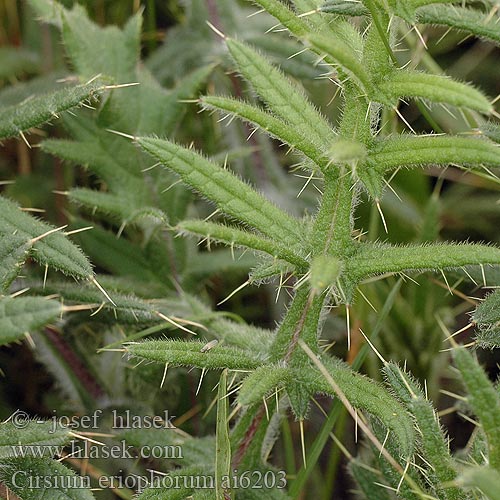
point(323, 255)
point(327, 261)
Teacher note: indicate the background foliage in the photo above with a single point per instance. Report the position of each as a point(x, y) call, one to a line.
point(328, 205)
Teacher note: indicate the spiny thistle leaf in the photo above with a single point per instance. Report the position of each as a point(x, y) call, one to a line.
point(339, 52)
point(48, 11)
point(318, 22)
point(407, 9)
point(373, 259)
point(13, 253)
point(283, 98)
point(393, 152)
point(463, 19)
point(487, 318)
point(418, 151)
point(270, 124)
point(37, 110)
point(54, 250)
point(262, 382)
point(368, 478)
point(127, 309)
point(30, 437)
point(262, 273)
point(22, 315)
point(434, 88)
point(365, 394)
point(403, 479)
point(333, 225)
point(19, 473)
point(233, 196)
point(492, 131)
point(240, 335)
point(344, 8)
point(435, 446)
point(181, 353)
point(484, 400)
point(285, 15)
point(234, 236)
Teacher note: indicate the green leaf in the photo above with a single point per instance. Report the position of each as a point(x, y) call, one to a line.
point(300, 322)
point(14, 251)
point(285, 99)
point(487, 318)
point(407, 9)
point(491, 130)
point(339, 52)
point(417, 151)
point(22, 315)
point(94, 50)
point(484, 400)
point(187, 45)
point(37, 110)
point(368, 479)
point(50, 351)
point(182, 353)
point(55, 480)
point(45, 246)
point(232, 196)
point(194, 450)
point(96, 154)
point(216, 263)
point(246, 337)
point(263, 272)
point(462, 18)
point(222, 441)
point(32, 438)
point(114, 160)
point(406, 151)
point(285, 15)
point(366, 394)
point(109, 204)
point(435, 445)
point(48, 11)
point(148, 108)
point(127, 309)
point(284, 53)
point(262, 382)
point(119, 256)
point(435, 88)
point(345, 8)
point(234, 236)
point(270, 124)
point(372, 259)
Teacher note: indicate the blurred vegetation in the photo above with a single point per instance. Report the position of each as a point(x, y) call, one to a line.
point(62, 369)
